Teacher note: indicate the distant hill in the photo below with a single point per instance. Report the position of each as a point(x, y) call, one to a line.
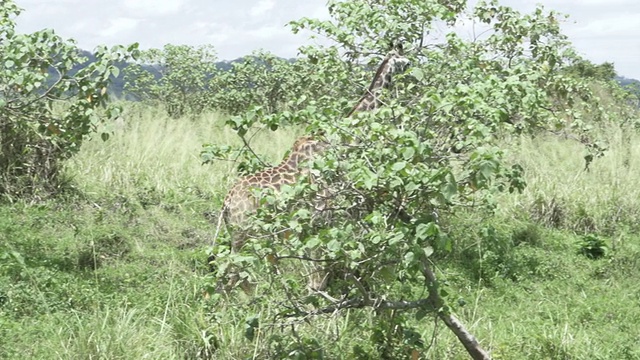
point(632, 85)
point(626, 81)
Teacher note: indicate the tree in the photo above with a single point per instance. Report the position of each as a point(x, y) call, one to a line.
point(266, 92)
point(176, 77)
point(47, 108)
point(260, 79)
point(586, 69)
point(393, 177)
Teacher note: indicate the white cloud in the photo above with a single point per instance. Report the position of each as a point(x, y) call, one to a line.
point(320, 12)
point(119, 25)
point(261, 8)
point(620, 25)
point(268, 32)
point(153, 7)
point(214, 33)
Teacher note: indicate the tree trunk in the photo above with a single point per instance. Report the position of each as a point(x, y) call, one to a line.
point(466, 338)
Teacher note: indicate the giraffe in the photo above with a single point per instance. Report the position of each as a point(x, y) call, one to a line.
point(240, 202)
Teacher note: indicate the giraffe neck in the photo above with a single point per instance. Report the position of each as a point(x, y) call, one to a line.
point(303, 152)
point(294, 160)
point(371, 98)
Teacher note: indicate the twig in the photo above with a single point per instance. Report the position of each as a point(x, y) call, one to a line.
point(361, 303)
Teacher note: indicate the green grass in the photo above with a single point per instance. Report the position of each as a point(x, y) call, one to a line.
point(119, 271)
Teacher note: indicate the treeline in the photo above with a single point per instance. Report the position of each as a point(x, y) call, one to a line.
point(187, 80)
point(117, 85)
point(632, 86)
point(158, 63)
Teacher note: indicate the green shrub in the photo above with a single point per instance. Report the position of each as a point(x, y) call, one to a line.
point(49, 104)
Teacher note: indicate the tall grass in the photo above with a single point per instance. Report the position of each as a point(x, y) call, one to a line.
point(150, 150)
point(561, 192)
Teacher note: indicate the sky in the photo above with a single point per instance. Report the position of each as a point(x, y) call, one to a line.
point(601, 30)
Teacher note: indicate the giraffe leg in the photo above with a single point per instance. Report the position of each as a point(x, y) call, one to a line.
point(318, 278)
point(231, 277)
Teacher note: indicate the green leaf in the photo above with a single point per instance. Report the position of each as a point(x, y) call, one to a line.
point(334, 246)
point(411, 186)
point(428, 230)
point(376, 239)
point(18, 257)
point(417, 73)
point(387, 273)
point(313, 242)
point(428, 251)
point(487, 169)
point(408, 153)
point(450, 188)
point(396, 238)
point(444, 293)
point(294, 225)
point(421, 314)
point(399, 166)
point(303, 214)
point(409, 257)
point(251, 325)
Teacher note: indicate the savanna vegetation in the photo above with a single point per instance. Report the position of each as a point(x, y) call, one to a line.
point(492, 197)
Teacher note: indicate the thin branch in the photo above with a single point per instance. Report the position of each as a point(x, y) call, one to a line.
point(422, 36)
point(303, 257)
point(246, 144)
point(359, 285)
point(41, 96)
point(360, 303)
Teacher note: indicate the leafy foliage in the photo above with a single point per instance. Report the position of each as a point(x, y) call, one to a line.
point(150, 301)
point(258, 80)
point(265, 92)
point(593, 247)
point(188, 80)
point(46, 108)
point(177, 77)
point(585, 69)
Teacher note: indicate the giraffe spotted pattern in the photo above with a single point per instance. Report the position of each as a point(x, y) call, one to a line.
point(240, 202)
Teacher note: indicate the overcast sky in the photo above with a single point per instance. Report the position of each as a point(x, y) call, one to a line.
point(601, 30)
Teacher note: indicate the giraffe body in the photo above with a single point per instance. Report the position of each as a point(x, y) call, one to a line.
point(240, 203)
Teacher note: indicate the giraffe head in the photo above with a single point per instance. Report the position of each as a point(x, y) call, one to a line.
point(394, 62)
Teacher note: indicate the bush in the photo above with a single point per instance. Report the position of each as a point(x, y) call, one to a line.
point(592, 246)
point(49, 102)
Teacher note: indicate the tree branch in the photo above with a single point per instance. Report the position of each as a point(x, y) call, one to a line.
point(360, 303)
point(466, 338)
